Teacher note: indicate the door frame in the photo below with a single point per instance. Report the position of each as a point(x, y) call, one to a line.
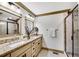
point(69, 13)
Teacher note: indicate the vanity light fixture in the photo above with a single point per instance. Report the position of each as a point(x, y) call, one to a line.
point(13, 6)
point(10, 3)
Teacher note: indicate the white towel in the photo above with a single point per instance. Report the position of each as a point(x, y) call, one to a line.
point(53, 32)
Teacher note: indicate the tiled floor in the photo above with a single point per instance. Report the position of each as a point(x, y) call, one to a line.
point(47, 53)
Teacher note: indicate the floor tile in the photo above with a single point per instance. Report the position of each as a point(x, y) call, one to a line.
point(48, 53)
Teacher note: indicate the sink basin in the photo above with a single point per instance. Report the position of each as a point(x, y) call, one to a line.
point(13, 45)
point(16, 44)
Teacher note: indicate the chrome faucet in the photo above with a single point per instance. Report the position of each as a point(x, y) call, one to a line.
point(35, 29)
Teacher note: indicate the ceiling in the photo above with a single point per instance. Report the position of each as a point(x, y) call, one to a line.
point(44, 7)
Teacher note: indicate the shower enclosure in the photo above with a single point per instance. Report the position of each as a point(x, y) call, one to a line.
point(72, 33)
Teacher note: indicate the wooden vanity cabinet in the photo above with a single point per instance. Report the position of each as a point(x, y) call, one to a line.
point(9, 55)
point(37, 47)
point(22, 55)
point(29, 53)
point(31, 49)
point(20, 50)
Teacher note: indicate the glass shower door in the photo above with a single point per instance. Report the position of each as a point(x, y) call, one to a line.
point(75, 41)
point(72, 33)
point(69, 35)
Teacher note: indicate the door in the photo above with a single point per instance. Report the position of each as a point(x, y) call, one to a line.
point(72, 34)
point(75, 33)
point(69, 35)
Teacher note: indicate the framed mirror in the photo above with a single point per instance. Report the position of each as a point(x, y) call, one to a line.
point(3, 28)
point(30, 25)
point(8, 23)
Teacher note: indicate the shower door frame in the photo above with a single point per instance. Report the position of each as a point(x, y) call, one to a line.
point(72, 37)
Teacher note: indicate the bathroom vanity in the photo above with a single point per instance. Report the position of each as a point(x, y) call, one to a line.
point(12, 44)
point(23, 48)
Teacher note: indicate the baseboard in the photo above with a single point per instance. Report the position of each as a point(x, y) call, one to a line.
point(60, 51)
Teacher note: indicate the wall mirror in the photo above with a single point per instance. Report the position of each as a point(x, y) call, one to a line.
point(8, 23)
point(30, 25)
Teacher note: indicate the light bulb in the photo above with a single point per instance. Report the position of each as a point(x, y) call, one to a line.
point(18, 10)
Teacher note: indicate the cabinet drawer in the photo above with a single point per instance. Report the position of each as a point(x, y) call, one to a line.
point(29, 52)
point(34, 42)
point(38, 48)
point(39, 39)
point(36, 45)
point(34, 48)
point(34, 54)
point(39, 42)
point(20, 50)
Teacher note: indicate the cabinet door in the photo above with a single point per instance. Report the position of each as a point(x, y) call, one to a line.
point(29, 52)
point(7, 55)
point(34, 54)
point(20, 50)
point(34, 42)
point(36, 47)
point(22, 55)
point(39, 39)
point(39, 44)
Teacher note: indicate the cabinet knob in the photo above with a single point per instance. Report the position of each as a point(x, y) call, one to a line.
point(33, 56)
point(38, 43)
point(33, 48)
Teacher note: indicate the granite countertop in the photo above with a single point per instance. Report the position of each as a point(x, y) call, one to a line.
point(8, 36)
point(5, 49)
